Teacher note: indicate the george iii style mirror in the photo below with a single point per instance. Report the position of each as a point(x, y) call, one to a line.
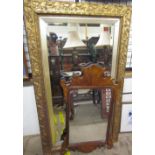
point(63, 37)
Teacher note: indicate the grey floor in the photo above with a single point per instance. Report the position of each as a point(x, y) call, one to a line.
point(89, 123)
point(87, 113)
point(32, 146)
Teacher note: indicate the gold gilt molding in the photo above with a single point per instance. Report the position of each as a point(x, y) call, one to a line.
point(32, 10)
point(37, 72)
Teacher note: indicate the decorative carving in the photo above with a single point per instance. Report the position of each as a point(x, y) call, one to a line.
point(32, 10)
point(89, 80)
point(87, 147)
point(36, 64)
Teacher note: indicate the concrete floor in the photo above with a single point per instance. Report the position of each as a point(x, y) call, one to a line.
point(32, 146)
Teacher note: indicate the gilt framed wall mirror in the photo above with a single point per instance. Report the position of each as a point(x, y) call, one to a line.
point(62, 39)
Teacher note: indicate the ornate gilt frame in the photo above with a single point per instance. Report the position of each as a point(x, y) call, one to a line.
point(32, 10)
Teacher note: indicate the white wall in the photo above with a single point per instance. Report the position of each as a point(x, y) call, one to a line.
point(30, 117)
point(127, 90)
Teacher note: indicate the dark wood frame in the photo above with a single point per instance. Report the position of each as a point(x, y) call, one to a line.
point(93, 77)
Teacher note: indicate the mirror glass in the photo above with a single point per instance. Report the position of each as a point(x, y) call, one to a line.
point(90, 120)
point(68, 43)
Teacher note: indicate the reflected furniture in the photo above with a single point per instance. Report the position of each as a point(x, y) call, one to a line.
point(67, 63)
point(93, 77)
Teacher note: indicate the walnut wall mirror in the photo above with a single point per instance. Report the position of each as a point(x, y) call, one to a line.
point(62, 37)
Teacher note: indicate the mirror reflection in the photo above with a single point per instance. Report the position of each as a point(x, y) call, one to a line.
point(71, 43)
point(90, 120)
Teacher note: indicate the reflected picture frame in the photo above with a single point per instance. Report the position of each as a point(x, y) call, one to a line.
point(126, 118)
point(33, 9)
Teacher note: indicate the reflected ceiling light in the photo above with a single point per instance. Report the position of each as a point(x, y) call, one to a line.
point(104, 39)
point(73, 39)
